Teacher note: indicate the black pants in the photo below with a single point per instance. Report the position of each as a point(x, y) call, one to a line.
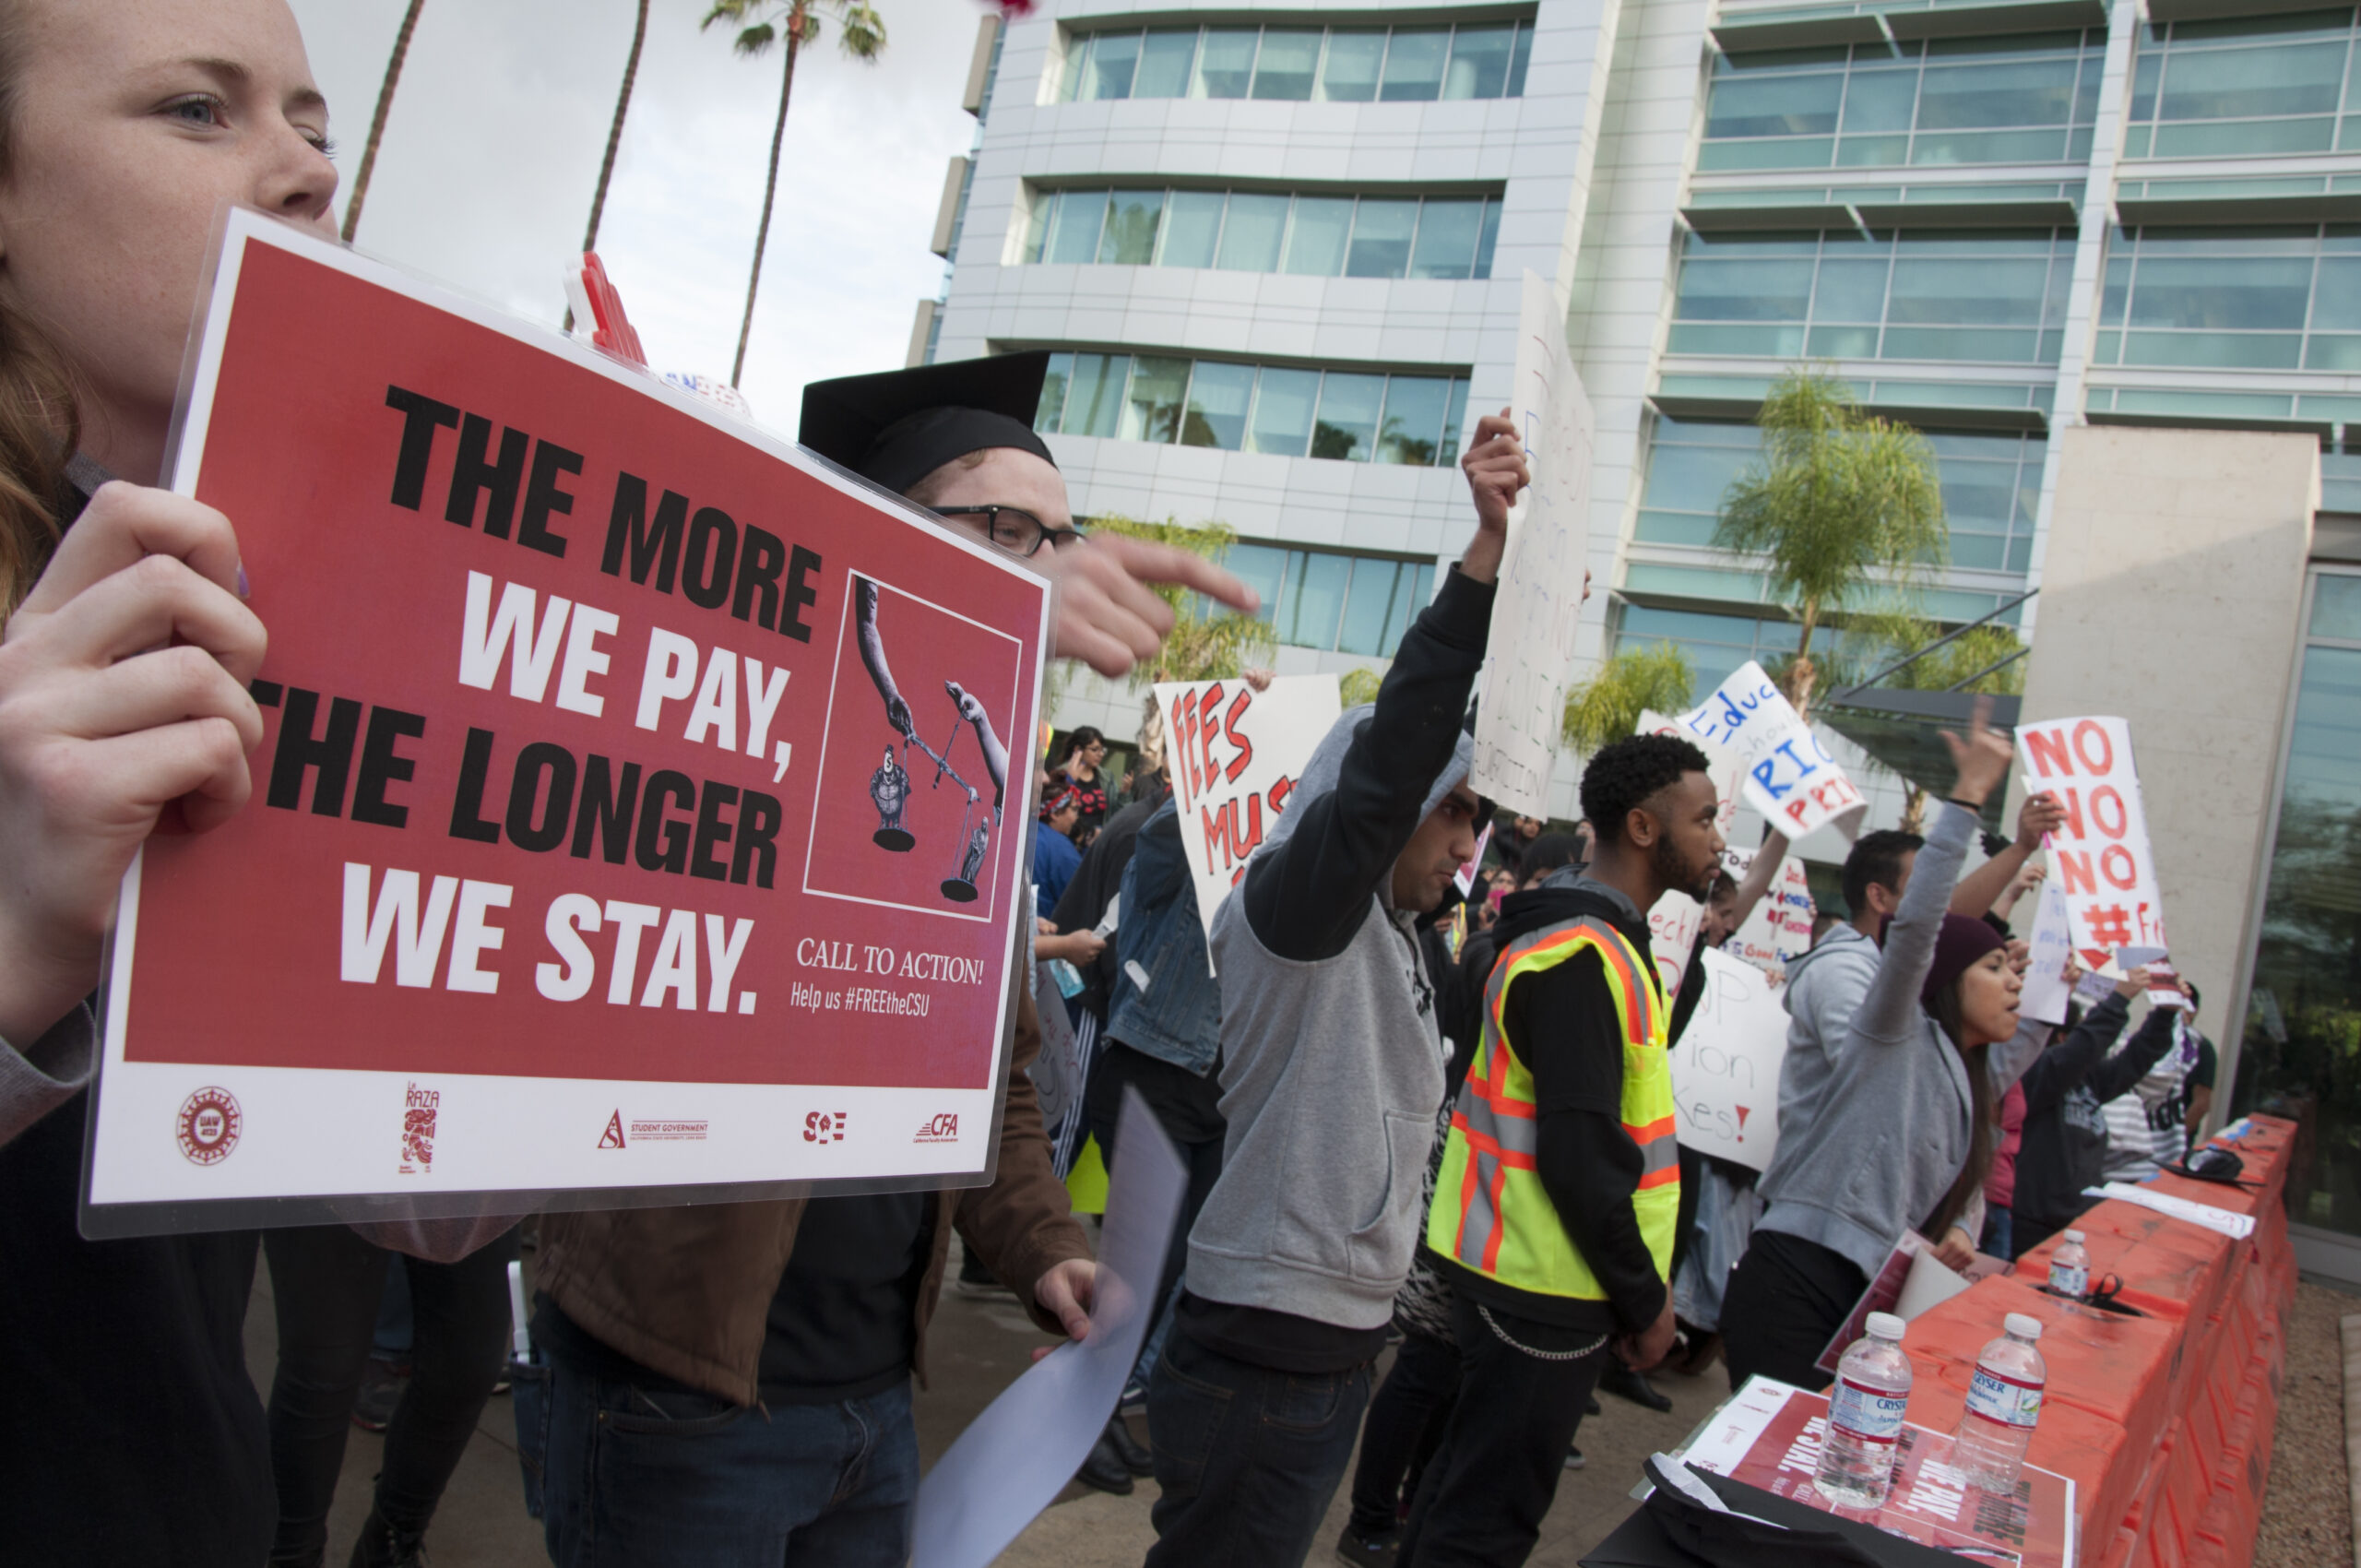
point(1503, 1449)
point(1787, 1297)
point(326, 1283)
point(1405, 1427)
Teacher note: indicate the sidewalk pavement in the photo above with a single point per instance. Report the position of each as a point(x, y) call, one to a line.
point(976, 1349)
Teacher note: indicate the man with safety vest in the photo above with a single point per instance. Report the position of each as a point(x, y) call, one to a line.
point(1559, 1190)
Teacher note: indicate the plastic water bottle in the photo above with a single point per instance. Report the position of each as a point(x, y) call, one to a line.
point(2003, 1403)
point(2070, 1267)
point(1864, 1418)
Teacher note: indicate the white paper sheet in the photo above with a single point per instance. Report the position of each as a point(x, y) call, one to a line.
point(1014, 1458)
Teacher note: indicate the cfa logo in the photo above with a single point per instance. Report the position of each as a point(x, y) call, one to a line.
point(824, 1127)
point(208, 1125)
point(943, 1129)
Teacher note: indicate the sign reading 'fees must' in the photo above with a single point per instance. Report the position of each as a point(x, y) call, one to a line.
point(633, 807)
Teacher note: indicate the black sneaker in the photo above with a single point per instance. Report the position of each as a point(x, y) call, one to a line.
point(1574, 1460)
point(1129, 1449)
point(1104, 1470)
point(1621, 1381)
point(381, 1390)
point(1356, 1548)
point(382, 1546)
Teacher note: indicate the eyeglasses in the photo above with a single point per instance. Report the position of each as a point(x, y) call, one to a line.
point(1013, 528)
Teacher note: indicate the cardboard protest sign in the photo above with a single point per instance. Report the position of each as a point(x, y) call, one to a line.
point(1234, 754)
point(1725, 1065)
point(2099, 857)
point(1768, 1435)
point(1521, 712)
point(1778, 930)
point(633, 797)
point(1788, 775)
point(2051, 944)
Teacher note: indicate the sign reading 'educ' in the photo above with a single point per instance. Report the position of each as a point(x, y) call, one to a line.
point(626, 776)
point(1785, 772)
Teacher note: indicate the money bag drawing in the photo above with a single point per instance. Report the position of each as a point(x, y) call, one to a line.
point(890, 787)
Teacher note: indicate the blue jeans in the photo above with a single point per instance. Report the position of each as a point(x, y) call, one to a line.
point(1247, 1458)
point(659, 1478)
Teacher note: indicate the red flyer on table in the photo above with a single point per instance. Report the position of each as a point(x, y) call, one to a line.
point(1768, 1436)
point(583, 856)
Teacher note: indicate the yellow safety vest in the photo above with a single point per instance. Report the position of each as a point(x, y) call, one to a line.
point(1490, 1214)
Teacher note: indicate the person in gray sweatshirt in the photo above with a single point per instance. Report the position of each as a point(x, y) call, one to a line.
point(1904, 1128)
point(1332, 1067)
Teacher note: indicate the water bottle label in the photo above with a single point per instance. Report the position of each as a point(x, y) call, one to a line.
point(2003, 1399)
point(2069, 1281)
point(1870, 1414)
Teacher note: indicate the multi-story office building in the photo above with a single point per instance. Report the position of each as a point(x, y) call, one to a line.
point(1276, 250)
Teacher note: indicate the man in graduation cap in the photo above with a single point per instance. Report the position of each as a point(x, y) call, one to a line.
point(730, 1383)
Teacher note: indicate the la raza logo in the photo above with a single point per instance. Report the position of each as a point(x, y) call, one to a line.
point(418, 1108)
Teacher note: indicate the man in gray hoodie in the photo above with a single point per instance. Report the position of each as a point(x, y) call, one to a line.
point(1332, 1068)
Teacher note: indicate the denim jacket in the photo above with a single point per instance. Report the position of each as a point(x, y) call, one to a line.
point(1178, 1017)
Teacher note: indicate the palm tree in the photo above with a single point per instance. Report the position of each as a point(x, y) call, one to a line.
point(860, 32)
point(377, 123)
point(1640, 677)
point(614, 140)
point(1844, 508)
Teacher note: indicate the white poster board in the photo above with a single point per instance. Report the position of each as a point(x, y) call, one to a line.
point(2099, 858)
point(1778, 930)
point(2046, 991)
point(1726, 1066)
point(1787, 774)
point(1234, 754)
point(1522, 713)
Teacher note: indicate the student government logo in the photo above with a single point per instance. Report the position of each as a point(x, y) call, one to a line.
point(208, 1125)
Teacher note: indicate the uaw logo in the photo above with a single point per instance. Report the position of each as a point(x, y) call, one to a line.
point(418, 1107)
point(208, 1125)
point(943, 1129)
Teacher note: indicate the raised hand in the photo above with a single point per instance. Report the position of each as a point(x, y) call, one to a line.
point(1982, 760)
point(2041, 814)
point(1497, 471)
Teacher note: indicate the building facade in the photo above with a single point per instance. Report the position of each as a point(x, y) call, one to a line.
point(1278, 251)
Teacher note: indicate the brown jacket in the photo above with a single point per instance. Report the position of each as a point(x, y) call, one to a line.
point(686, 1290)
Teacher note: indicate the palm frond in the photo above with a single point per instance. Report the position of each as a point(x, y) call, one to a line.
point(1641, 676)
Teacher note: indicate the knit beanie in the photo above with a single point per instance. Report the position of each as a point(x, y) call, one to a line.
point(1962, 941)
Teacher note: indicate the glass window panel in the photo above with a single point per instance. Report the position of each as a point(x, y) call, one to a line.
point(1349, 74)
point(1224, 63)
point(2248, 292)
point(2203, 138)
point(1152, 406)
point(1862, 152)
point(1053, 393)
point(1077, 63)
point(1347, 425)
point(1692, 478)
point(1689, 338)
point(1479, 62)
point(1284, 68)
point(1778, 106)
point(1739, 287)
point(1045, 207)
point(1369, 605)
point(1263, 568)
point(1073, 239)
point(1096, 399)
point(1988, 147)
point(1217, 398)
point(1414, 62)
point(1412, 431)
point(2213, 351)
point(1283, 403)
point(1165, 60)
point(2336, 297)
point(1192, 228)
point(1961, 343)
point(1130, 240)
point(1313, 599)
point(1850, 290)
point(1382, 231)
point(1843, 343)
point(1250, 233)
point(1107, 69)
point(2014, 92)
point(1880, 101)
point(2333, 351)
point(1519, 58)
point(2336, 608)
point(1966, 289)
point(2144, 77)
point(2229, 84)
point(1316, 237)
point(1447, 232)
point(1454, 417)
point(1487, 238)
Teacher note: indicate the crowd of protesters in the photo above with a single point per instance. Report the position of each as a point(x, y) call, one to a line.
point(1462, 1148)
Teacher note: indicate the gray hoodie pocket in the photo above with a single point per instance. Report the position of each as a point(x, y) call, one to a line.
point(1382, 1243)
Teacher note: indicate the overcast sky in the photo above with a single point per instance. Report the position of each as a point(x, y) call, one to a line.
point(489, 161)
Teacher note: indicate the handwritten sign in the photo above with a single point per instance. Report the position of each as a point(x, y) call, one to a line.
point(2099, 856)
point(2047, 990)
point(1234, 754)
point(1726, 1066)
point(1787, 774)
point(1778, 930)
point(1541, 598)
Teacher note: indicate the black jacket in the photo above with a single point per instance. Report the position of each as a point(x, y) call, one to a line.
point(1561, 1023)
point(2065, 1134)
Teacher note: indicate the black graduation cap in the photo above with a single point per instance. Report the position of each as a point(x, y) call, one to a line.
point(897, 426)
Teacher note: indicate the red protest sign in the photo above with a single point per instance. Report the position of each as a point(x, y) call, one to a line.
point(585, 802)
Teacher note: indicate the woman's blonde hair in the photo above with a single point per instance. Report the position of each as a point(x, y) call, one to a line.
point(39, 427)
